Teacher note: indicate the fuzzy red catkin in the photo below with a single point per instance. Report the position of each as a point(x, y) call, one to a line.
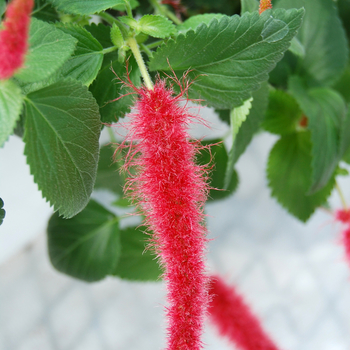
point(343, 215)
point(170, 190)
point(234, 319)
point(14, 36)
point(264, 5)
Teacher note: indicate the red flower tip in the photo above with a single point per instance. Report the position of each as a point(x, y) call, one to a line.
point(264, 5)
point(234, 319)
point(346, 242)
point(14, 37)
point(170, 190)
point(343, 215)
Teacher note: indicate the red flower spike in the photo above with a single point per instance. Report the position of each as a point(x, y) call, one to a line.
point(170, 190)
point(234, 319)
point(264, 5)
point(14, 37)
point(346, 242)
point(343, 215)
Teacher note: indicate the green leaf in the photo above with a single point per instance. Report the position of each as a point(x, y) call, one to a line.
point(87, 58)
point(344, 13)
point(2, 211)
point(231, 57)
point(131, 22)
point(123, 202)
point(107, 87)
point(297, 47)
point(45, 11)
point(323, 38)
point(194, 21)
point(122, 8)
point(343, 84)
point(27, 88)
point(156, 26)
point(10, 108)
point(344, 144)
point(116, 36)
point(346, 156)
point(253, 122)
point(325, 110)
point(228, 7)
point(87, 246)
point(217, 159)
point(84, 7)
point(101, 33)
point(2, 7)
point(136, 262)
point(289, 176)
point(341, 172)
point(249, 127)
point(237, 117)
point(108, 175)
point(62, 130)
point(49, 48)
point(283, 113)
point(224, 115)
point(279, 76)
point(249, 6)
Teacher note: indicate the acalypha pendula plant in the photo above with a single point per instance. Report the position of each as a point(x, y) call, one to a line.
point(170, 190)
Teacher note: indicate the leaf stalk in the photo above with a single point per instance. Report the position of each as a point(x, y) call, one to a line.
point(132, 43)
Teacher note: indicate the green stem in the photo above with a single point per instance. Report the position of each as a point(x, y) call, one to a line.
point(109, 49)
point(128, 8)
point(111, 135)
point(342, 198)
point(171, 16)
point(145, 49)
point(108, 18)
point(138, 57)
point(157, 7)
point(155, 44)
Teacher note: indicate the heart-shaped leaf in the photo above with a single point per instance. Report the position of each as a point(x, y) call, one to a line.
point(289, 176)
point(62, 130)
point(87, 246)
